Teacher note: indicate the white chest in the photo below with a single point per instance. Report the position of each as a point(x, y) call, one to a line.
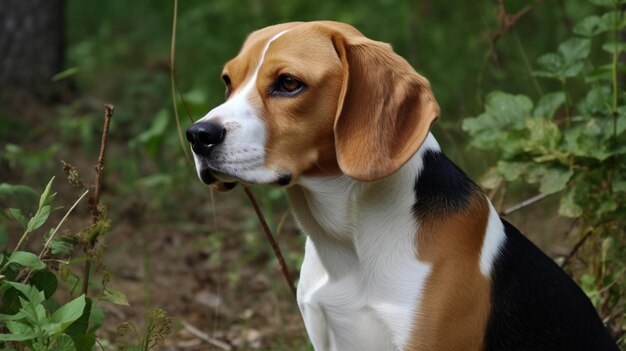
point(361, 283)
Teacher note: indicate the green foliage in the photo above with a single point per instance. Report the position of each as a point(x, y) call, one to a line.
point(158, 326)
point(110, 57)
point(30, 316)
point(573, 142)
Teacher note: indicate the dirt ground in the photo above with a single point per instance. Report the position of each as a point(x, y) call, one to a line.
point(208, 290)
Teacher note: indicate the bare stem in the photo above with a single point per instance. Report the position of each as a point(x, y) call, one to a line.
point(270, 238)
point(95, 199)
point(523, 204)
point(575, 249)
point(46, 247)
point(173, 83)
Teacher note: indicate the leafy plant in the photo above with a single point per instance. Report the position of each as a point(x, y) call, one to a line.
point(572, 141)
point(28, 315)
point(158, 326)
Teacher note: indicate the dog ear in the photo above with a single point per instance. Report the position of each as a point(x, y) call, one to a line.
point(385, 108)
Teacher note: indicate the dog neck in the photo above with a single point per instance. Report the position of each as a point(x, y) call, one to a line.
point(359, 219)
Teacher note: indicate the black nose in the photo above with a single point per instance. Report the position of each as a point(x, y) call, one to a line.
point(204, 136)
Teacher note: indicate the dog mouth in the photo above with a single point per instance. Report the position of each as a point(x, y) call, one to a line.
point(208, 178)
point(221, 181)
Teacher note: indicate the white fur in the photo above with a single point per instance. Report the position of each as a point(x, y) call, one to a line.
point(242, 153)
point(361, 282)
point(493, 241)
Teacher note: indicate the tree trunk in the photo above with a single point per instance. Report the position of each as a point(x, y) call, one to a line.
point(31, 44)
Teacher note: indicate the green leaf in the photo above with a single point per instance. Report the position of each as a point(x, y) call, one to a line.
point(19, 332)
point(608, 205)
point(614, 48)
point(544, 135)
point(7, 190)
point(46, 197)
point(69, 312)
point(26, 259)
point(65, 343)
point(596, 102)
point(51, 329)
point(575, 49)
point(512, 170)
point(63, 246)
point(17, 214)
point(619, 185)
point(33, 310)
point(45, 281)
point(39, 218)
point(10, 300)
point(613, 20)
point(115, 296)
point(548, 104)
point(589, 26)
point(65, 73)
point(551, 64)
point(570, 204)
point(96, 318)
point(85, 341)
point(571, 70)
point(79, 327)
point(599, 73)
point(554, 180)
point(12, 317)
point(501, 123)
point(152, 138)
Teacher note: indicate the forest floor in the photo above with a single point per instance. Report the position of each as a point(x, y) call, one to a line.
point(179, 268)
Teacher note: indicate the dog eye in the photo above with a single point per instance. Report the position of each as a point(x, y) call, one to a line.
point(287, 86)
point(226, 80)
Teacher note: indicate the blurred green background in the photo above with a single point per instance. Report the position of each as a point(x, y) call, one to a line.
point(201, 256)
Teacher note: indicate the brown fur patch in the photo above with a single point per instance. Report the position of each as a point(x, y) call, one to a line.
point(455, 307)
point(300, 129)
point(364, 113)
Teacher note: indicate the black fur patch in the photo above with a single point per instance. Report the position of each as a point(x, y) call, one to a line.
point(441, 187)
point(536, 306)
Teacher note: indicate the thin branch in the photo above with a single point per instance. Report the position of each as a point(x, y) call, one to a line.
point(94, 201)
point(270, 238)
point(205, 337)
point(507, 21)
point(173, 83)
point(46, 247)
point(575, 249)
point(523, 204)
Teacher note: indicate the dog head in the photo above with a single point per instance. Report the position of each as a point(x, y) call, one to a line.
point(312, 99)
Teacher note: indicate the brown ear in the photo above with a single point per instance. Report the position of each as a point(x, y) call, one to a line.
point(385, 109)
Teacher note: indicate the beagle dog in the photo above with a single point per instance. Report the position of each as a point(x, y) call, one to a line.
point(403, 251)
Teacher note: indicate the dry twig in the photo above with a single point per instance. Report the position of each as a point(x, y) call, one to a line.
point(523, 204)
point(94, 201)
point(205, 337)
point(270, 238)
point(575, 249)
